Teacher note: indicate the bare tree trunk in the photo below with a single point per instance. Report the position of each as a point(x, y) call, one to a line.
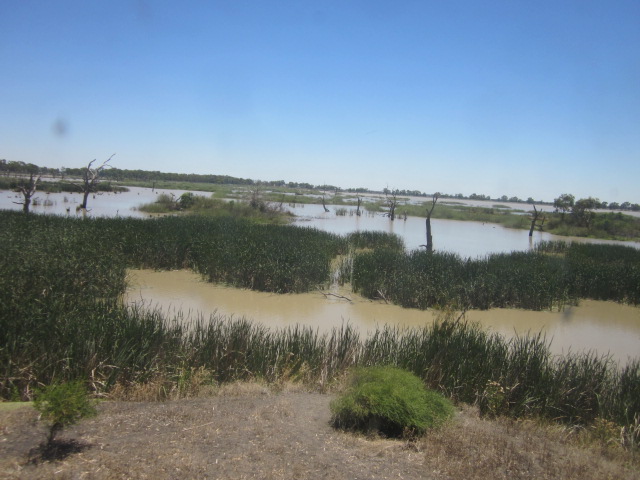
point(358, 209)
point(28, 191)
point(534, 220)
point(434, 200)
point(85, 196)
point(429, 236)
point(326, 210)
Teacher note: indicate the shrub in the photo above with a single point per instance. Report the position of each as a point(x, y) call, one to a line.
point(391, 401)
point(63, 405)
point(186, 200)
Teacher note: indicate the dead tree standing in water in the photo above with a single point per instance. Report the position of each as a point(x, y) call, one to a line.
point(392, 203)
point(535, 217)
point(434, 200)
point(358, 213)
point(326, 210)
point(324, 205)
point(90, 179)
point(28, 191)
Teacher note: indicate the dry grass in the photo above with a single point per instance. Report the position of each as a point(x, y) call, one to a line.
point(251, 431)
point(473, 447)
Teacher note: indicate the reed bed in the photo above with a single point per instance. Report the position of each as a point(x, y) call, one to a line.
point(551, 276)
point(274, 258)
point(109, 345)
point(369, 239)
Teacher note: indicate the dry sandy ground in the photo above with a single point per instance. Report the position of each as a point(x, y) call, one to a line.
point(258, 434)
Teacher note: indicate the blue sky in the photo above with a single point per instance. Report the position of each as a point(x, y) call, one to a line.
point(493, 97)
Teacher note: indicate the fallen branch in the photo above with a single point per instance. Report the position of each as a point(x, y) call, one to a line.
point(327, 294)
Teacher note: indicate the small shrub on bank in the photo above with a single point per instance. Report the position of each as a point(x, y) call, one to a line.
point(62, 405)
point(391, 401)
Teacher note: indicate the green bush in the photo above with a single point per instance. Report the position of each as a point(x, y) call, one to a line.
point(391, 401)
point(62, 405)
point(186, 200)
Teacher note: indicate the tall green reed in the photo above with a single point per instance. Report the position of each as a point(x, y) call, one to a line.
point(549, 277)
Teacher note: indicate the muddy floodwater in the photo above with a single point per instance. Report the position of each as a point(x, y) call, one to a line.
point(606, 327)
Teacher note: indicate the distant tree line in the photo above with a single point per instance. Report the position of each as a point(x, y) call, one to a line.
point(117, 174)
point(568, 203)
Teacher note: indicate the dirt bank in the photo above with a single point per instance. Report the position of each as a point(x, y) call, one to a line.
point(253, 433)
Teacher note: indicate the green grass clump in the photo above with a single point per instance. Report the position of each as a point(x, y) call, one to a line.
point(391, 401)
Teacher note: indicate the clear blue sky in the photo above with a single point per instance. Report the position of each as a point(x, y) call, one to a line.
point(494, 97)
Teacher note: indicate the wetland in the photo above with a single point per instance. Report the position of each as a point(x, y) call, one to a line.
point(358, 298)
point(605, 327)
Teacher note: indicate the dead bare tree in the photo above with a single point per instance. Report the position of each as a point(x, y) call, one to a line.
point(90, 179)
point(28, 191)
point(392, 202)
point(535, 217)
point(326, 210)
point(358, 212)
point(434, 200)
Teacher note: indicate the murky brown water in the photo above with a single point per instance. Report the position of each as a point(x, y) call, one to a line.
point(601, 326)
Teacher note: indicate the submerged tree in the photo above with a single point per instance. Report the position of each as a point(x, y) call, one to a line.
point(28, 191)
point(434, 200)
point(90, 179)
